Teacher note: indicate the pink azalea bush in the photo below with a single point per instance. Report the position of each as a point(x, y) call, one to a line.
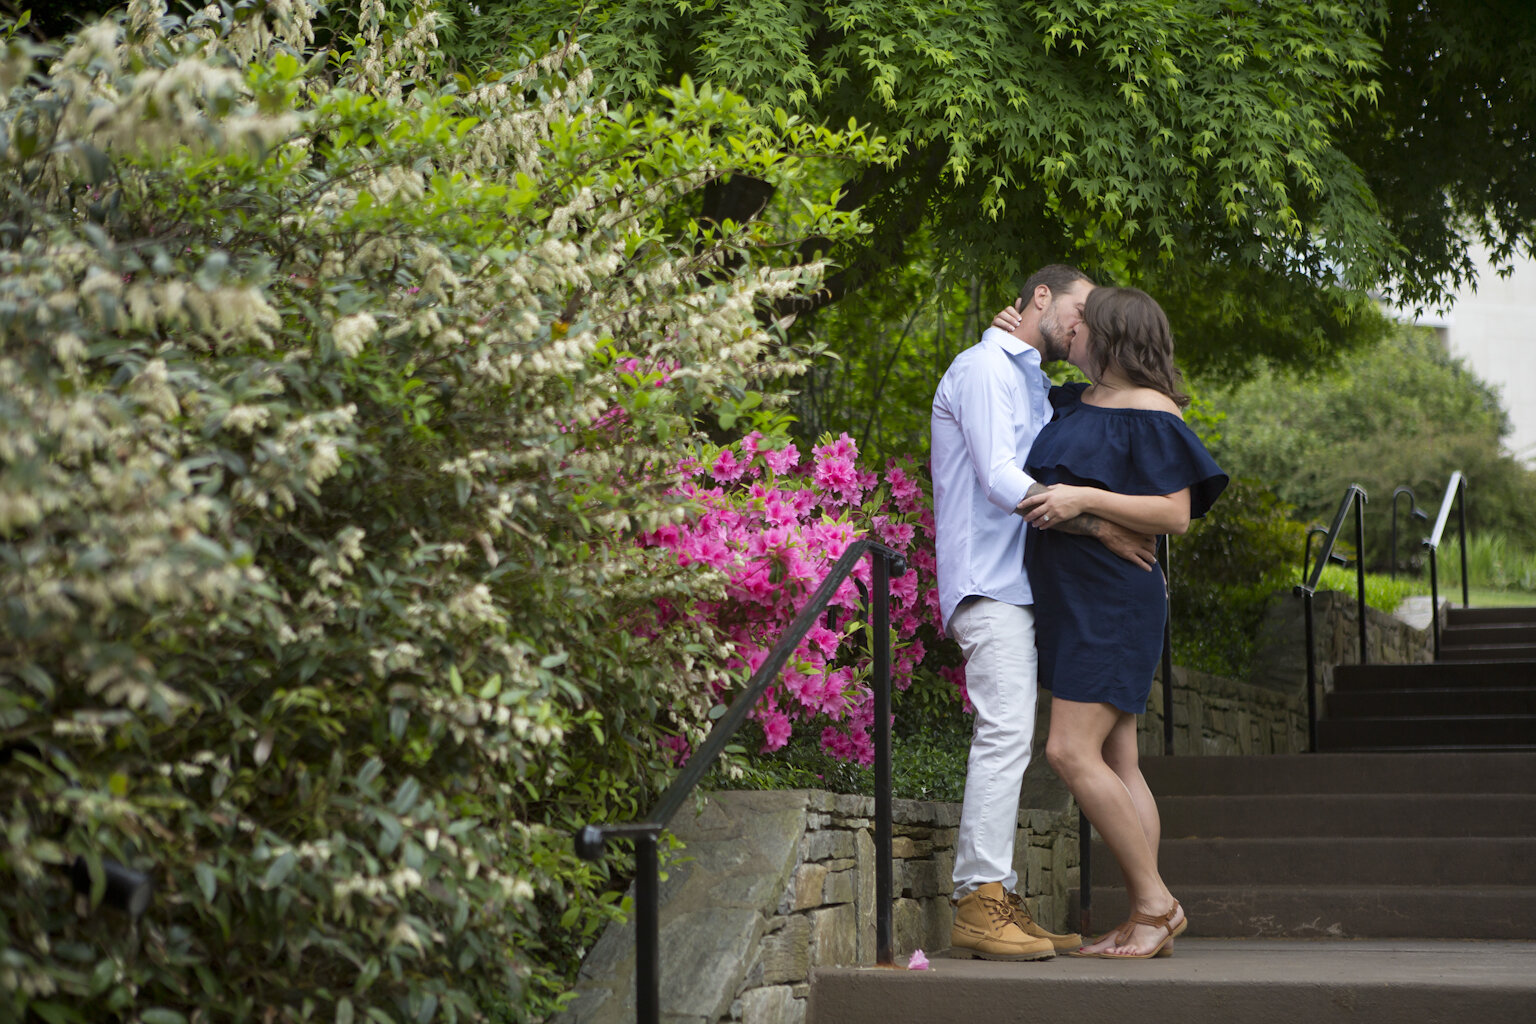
point(774, 521)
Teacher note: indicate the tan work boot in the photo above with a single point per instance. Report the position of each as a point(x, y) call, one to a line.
point(984, 929)
point(1027, 925)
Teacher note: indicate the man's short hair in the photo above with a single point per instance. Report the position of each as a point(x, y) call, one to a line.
point(1058, 277)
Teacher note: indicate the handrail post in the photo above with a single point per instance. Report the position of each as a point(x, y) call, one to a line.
point(881, 630)
point(647, 931)
point(1167, 649)
point(1434, 595)
point(1084, 872)
point(1360, 570)
point(1455, 491)
point(1311, 676)
point(1461, 508)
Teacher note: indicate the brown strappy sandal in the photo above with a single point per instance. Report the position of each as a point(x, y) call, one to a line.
point(1157, 921)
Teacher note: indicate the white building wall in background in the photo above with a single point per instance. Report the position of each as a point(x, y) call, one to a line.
point(1494, 330)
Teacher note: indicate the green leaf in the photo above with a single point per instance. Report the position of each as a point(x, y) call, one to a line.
point(160, 1015)
point(54, 1013)
point(278, 872)
point(207, 880)
point(406, 796)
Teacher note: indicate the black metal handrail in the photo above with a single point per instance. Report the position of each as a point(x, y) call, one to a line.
point(1354, 495)
point(590, 839)
point(1455, 492)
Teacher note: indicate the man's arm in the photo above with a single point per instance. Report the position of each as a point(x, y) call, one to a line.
point(1140, 548)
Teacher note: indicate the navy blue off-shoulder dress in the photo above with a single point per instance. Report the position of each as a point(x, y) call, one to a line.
point(1099, 618)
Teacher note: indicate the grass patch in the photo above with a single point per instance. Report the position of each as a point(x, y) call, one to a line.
point(1483, 597)
point(1381, 591)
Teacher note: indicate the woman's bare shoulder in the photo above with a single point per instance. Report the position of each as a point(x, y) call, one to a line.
point(1150, 398)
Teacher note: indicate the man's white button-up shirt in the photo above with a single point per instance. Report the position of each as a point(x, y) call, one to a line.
point(987, 410)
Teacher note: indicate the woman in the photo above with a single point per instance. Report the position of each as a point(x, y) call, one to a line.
point(1119, 449)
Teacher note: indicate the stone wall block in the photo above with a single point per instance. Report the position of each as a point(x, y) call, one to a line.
point(919, 879)
point(853, 805)
point(834, 936)
point(865, 903)
point(826, 845)
point(840, 887)
point(774, 1004)
point(806, 890)
point(786, 956)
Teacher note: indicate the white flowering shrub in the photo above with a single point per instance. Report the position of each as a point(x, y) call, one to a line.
point(332, 399)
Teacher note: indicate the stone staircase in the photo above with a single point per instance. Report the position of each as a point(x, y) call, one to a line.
point(1386, 862)
point(1479, 695)
point(1423, 846)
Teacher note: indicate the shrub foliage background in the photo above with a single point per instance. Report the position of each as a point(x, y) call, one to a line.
point(1404, 412)
point(331, 400)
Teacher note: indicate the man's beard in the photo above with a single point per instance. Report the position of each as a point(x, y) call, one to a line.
point(1057, 346)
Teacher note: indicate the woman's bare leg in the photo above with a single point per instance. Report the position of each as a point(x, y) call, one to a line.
point(1081, 736)
point(1123, 758)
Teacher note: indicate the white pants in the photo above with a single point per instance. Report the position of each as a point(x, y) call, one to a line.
point(998, 640)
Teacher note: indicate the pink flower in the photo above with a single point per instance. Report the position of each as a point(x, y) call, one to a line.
point(826, 639)
point(776, 730)
point(917, 961)
point(784, 460)
point(842, 448)
point(838, 744)
point(775, 538)
point(778, 511)
point(895, 535)
point(838, 476)
point(904, 490)
point(679, 747)
point(726, 468)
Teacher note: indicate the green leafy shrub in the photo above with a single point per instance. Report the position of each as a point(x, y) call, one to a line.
point(331, 401)
point(1225, 571)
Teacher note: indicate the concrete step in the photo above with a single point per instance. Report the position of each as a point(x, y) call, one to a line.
point(1334, 861)
point(1490, 633)
point(1204, 982)
point(1440, 675)
point(1489, 772)
point(1342, 912)
point(1487, 652)
point(1509, 731)
point(1425, 701)
point(1374, 814)
point(1484, 616)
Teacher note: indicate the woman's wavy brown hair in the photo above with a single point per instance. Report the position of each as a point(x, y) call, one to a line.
point(1129, 330)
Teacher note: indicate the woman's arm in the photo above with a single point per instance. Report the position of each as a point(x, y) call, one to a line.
point(1144, 513)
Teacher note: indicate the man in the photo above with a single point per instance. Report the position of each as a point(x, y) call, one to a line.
point(986, 412)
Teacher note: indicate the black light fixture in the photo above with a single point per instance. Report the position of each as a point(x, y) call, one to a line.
point(127, 890)
point(1414, 512)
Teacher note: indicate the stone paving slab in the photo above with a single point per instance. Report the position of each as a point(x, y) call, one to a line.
point(1217, 980)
